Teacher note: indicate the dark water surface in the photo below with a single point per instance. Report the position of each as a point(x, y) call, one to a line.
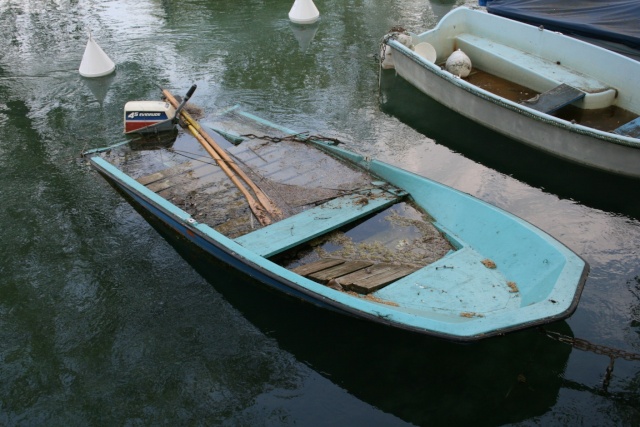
point(103, 322)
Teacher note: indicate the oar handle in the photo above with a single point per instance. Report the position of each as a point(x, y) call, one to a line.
point(184, 101)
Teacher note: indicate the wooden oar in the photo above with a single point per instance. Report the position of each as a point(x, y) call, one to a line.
point(266, 202)
point(258, 210)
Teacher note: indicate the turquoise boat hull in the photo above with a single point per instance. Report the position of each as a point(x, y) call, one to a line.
point(533, 279)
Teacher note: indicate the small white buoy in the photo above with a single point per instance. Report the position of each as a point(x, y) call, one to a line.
point(304, 12)
point(458, 64)
point(95, 63)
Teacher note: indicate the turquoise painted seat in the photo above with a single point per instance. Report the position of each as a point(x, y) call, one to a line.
point(307, 225)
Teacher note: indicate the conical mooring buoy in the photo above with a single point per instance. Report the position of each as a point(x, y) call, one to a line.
point(304, 12)
point(95, 63)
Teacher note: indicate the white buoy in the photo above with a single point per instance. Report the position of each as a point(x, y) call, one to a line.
point(95, 63)
point(458, 64)
point(304, 12)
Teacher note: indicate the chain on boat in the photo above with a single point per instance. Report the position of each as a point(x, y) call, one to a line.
point(299, 137)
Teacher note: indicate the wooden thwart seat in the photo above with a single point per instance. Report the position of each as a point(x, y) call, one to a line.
point(631, 129)
point(354, 275)
point(554, 99)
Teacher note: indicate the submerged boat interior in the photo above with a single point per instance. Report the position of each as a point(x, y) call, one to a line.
point(346, 232)
point(319, 235)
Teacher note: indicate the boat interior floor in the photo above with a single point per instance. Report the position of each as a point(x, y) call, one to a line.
point(605, 119)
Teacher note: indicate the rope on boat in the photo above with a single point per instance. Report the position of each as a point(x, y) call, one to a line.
point(393, 33)
point(102, 149)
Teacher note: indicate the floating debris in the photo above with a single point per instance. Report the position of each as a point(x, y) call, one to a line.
point(488, 263)
point(513, 286)
point(407, 240)
point(470, 314)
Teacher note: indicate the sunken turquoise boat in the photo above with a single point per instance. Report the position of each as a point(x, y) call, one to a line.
point(348, 233)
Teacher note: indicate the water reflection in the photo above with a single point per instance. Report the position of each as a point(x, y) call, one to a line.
point(99, 86)
point(594, 188)
point(418, 379)
point(304, 34)
point(441, 8)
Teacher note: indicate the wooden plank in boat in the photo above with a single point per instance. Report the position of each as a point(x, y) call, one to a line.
point(194, 179)
point(554, 99)
point(302, 227)
point(375, 277)
point(314, 267)
point(293, 163)
point(631, 129)
point(340, 270)
point(175, 170)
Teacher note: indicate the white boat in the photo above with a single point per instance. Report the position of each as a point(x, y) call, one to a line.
point(558, 94)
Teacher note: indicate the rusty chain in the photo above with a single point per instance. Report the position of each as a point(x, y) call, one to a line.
point(297, 137)
point(584, 345)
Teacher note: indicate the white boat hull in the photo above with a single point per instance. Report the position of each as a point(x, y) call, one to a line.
point(586, 146)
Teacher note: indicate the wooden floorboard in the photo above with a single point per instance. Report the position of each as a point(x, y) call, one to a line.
point(384, 276)
point(175, 170)
point(363, 277)
point(631, 129)
point(187, 183)
point(339, 270)
point(323, 264)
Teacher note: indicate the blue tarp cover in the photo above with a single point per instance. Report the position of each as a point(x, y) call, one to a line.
point(612, 20)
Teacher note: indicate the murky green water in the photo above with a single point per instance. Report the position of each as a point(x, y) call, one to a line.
point(103, 323)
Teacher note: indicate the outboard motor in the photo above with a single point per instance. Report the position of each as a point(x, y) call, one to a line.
point(152, 116)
